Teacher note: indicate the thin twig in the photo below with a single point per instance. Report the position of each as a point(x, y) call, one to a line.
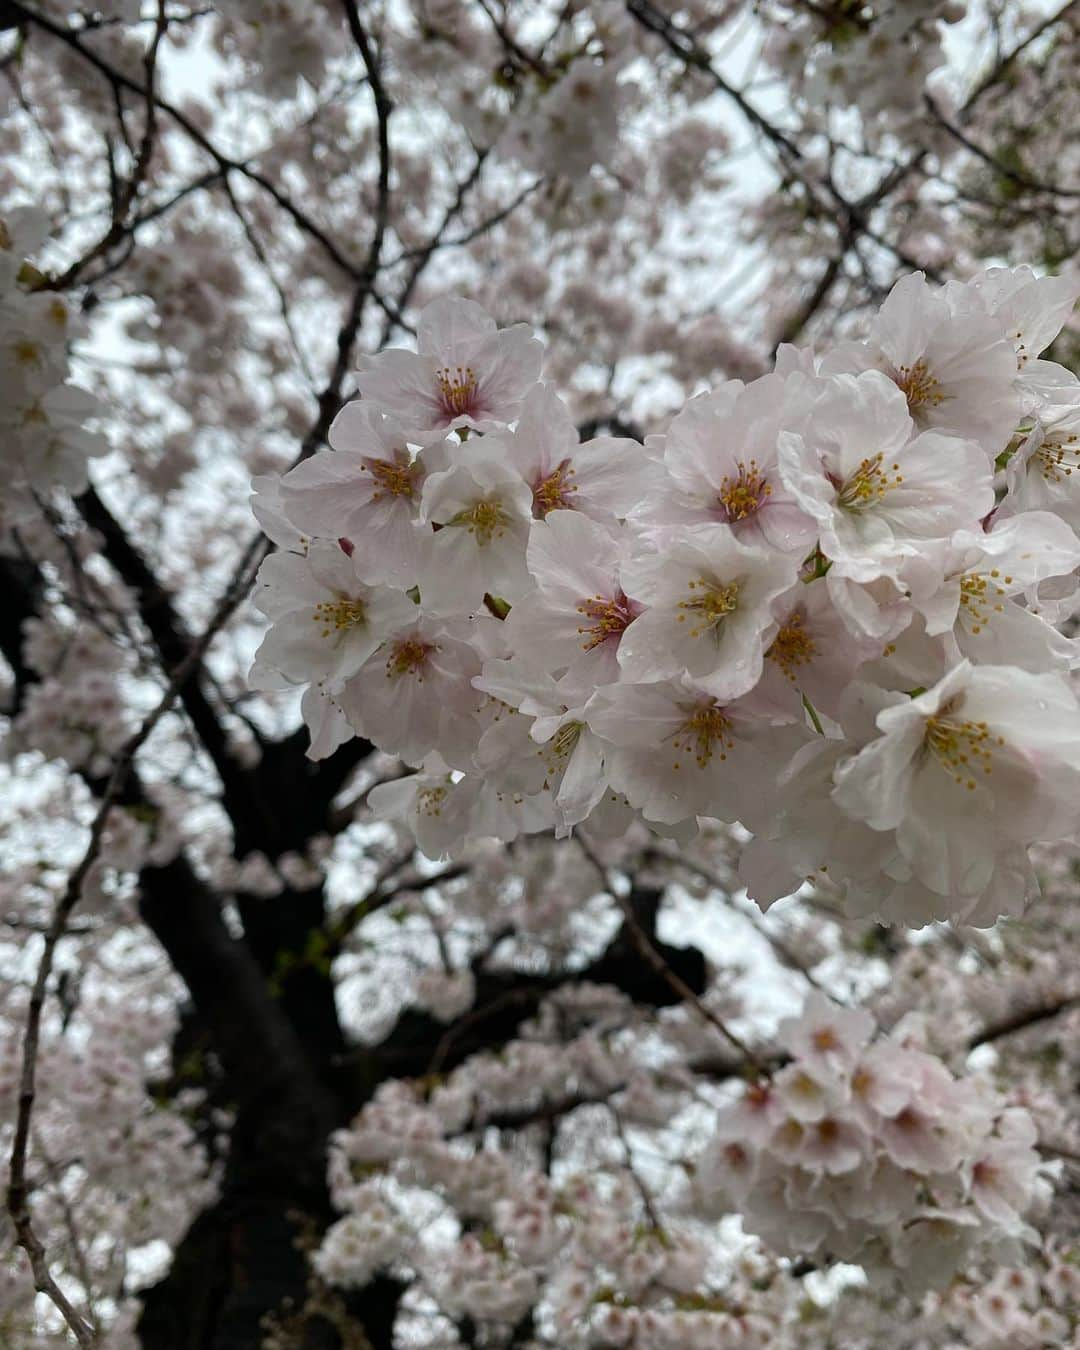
point(1022, 180)
point(642, 1189)
point(675, 982)
point(1020, 1021)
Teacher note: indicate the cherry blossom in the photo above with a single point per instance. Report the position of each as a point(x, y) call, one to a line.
point(980, 578)
point(956, 371)
point(706, 610)
point(720, 456)
point(572, 623)
point(990, 750)
point(481, 507)
point(677, 751)
point(1042, 474)
point(414, 693)
point(870, 485)
point(367, 490)
point(465, 373)
point(326, 621)
point(604, 478)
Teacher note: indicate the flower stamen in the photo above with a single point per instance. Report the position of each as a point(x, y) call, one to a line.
point(556, 752)
point(610, 615)
point(408, 656)
point(709, 605)
point(792, 647)
point(705, 733)
point(744, 494)
point(919, 386)
point(868, 484)
point(486, 519)
point(961, 746)
point(336, 616)
point(977, 602)
point(429, 800)
point(553, 492)
point(1058, 457)
point(394, 477)
point(457, 389)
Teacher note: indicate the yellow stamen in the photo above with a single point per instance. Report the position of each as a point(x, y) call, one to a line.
point(792, 647)
point(553, 492)
point(919, 386)
point(408, 657)
point(457, 388)
point(744, 494)
point(705, 733)
point(961, 746)
point(556, 752)
point(977, 601)
point(709, 605)
point(393, 477)
point(610, 618)
point(1058, 457)
point(868, 484)
point(486, 519)
point(336, 616)
point(429, 800)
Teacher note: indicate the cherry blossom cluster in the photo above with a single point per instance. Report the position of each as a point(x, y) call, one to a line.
point(46, 444)
point(102, 1136)
point(860, 1148)
point(824, 604)
point(1033, 1305)
point(219, 223)
point(870, 1151)
point(560, 113)
point(873, 58)
point(424, 1184)
point(76, 710)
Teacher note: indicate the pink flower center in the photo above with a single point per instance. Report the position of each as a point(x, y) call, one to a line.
point(553, 493)
point(742, 495)
point(705, 733)
point(609, 617)
point(457, 389)
point(393, 478)
point(408, 657)
point(920, 387)
point(791, 648)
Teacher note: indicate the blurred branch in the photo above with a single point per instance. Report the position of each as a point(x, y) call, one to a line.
point(650, 953)
point(1022, 180)
point(785, 954)
point(119, 82)
point(242, 793)
point(382, 894)
point(1022, 1020)
point(1002, 65)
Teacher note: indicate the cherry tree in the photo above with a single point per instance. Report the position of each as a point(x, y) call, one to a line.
point(542, 760)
